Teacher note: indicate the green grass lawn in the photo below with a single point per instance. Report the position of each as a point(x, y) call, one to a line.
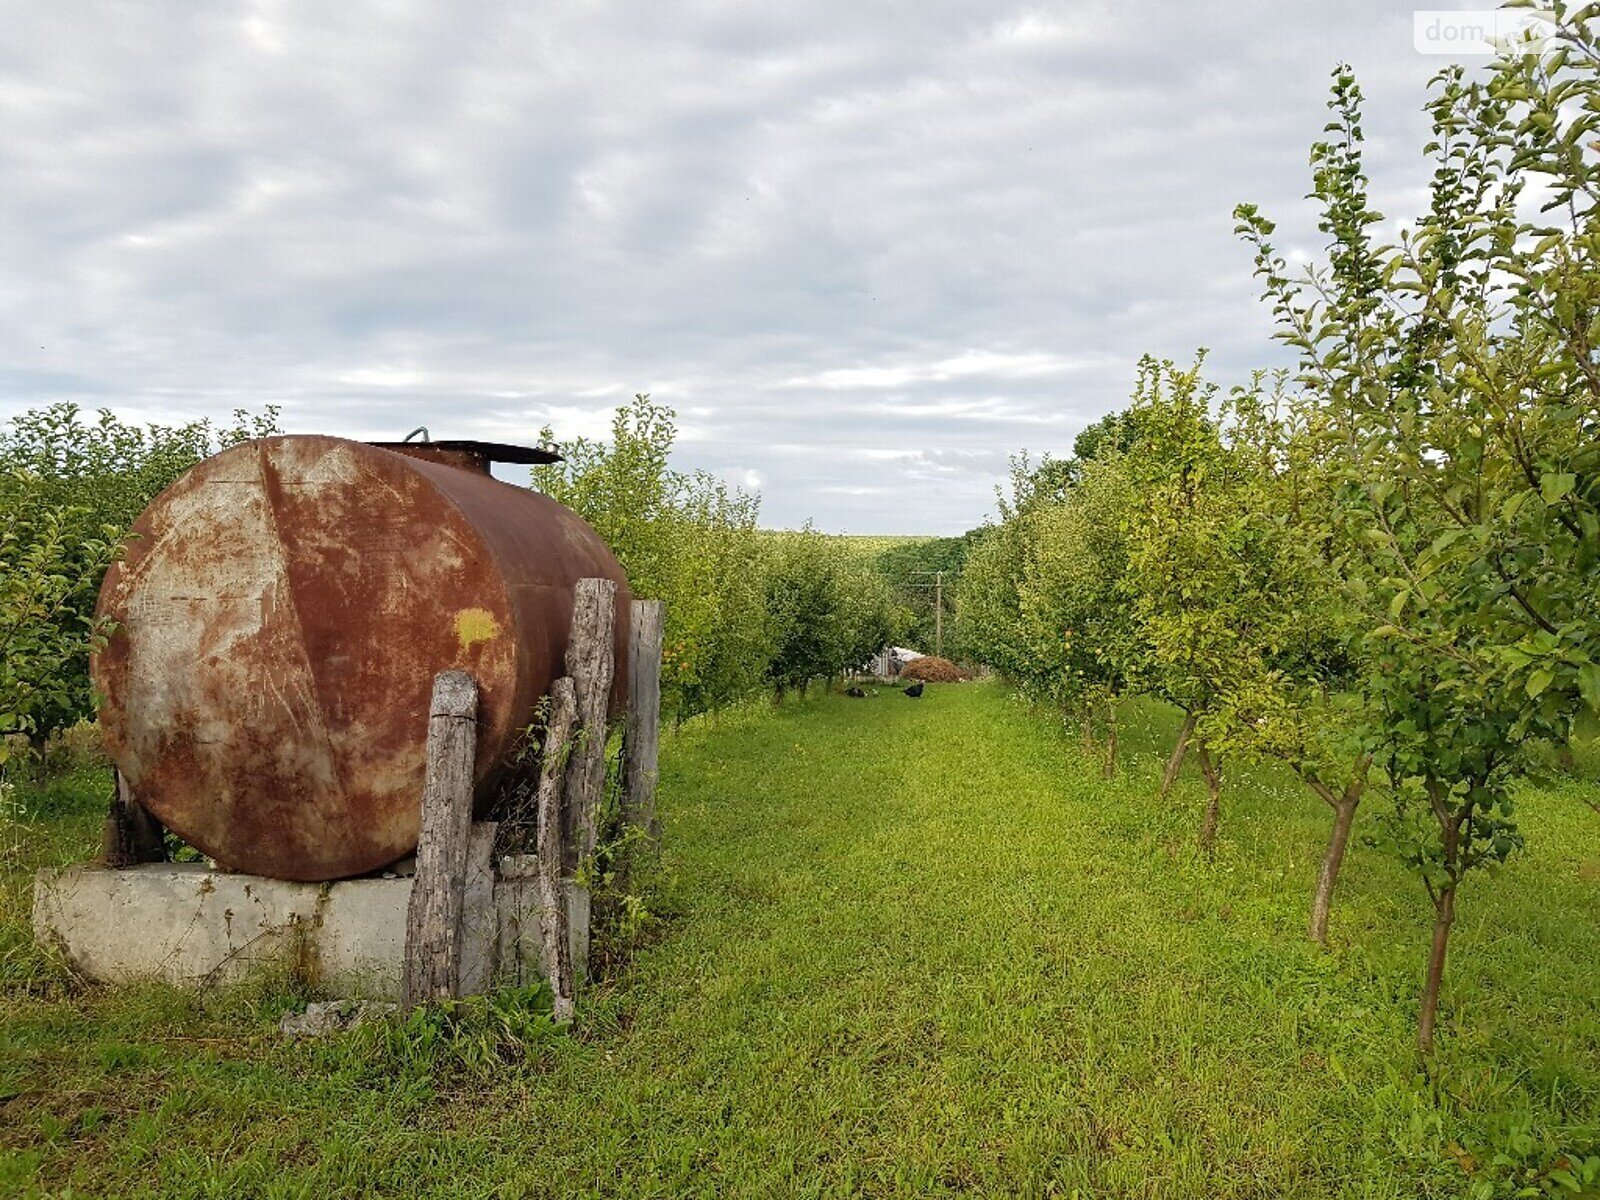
point(914, 948)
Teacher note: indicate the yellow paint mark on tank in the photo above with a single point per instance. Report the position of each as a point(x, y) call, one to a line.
point(476, 625)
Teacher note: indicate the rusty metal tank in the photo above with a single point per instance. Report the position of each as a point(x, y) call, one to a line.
point(280, 614)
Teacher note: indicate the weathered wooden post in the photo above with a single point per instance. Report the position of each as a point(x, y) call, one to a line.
point(642, 741)
point(591, 664)
point(557, 931)
point(433, 918)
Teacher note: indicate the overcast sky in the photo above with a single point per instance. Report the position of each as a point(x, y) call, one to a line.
point(866, 250)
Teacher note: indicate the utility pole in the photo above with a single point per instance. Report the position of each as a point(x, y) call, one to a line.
point(938, 613)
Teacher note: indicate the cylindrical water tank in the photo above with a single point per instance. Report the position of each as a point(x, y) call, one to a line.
point(279, 617)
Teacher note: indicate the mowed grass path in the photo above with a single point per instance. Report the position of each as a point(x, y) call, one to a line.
point(920, 949)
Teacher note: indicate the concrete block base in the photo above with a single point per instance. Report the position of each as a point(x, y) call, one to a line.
point(186, 923)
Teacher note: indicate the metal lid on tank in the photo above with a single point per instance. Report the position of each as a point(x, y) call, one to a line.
point(468, 454)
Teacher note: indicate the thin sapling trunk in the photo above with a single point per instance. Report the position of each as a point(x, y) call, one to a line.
point(1211, 768)
point(1452, 820)
point(1344, 813)
point(1444, 905)
point(1328, 876)
point(1109, 767)
point(1179, 752)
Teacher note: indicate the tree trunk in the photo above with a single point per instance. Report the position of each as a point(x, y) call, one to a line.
point(1179, 752)
point(1444, 917)
point(1109, 771)
point(1344, 812)
point(1212, 770)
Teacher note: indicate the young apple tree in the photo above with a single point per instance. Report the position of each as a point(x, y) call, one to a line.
point(1208, 575)
point(1452, 379)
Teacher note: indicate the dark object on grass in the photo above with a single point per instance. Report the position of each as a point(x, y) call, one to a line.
point(914, 690)
point(858, 693)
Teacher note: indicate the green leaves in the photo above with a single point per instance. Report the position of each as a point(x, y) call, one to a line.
point(1586, 725)
point(1554, 485)
point(684, 538)
point(1416, 522)
point(49, 574)
point(1588, 677)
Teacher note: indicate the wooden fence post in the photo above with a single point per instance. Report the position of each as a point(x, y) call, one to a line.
point(557, 946)
point(591, 663)
point(433, 918)
point(642, 741)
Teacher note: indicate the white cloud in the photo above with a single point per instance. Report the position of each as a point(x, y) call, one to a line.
point(383, 377)
point(970, 364)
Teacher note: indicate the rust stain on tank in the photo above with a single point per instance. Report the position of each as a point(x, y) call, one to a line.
point(280, 618)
